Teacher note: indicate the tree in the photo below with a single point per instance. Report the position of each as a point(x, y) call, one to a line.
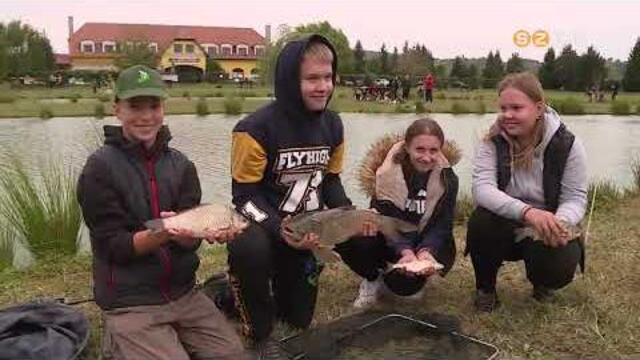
point(358, 58)
point(515, 64)
point(591, 69)
point(417, 60)
point(394, 60)
point(337, 38)
point(135, 52)
point(24, 51)
point(547, 72)
point(493, 70)
point(631, 79)
point(567, 69)
point(459, 70)
point(384, 60)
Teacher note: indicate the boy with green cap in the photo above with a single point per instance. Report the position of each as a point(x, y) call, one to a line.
point(144, 281)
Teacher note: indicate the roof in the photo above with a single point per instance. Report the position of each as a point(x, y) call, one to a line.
point(163, 35)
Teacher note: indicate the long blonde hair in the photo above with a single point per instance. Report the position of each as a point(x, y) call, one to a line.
point(522, 152)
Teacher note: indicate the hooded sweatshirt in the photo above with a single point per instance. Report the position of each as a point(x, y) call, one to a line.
point(286, 159)
point(526, 186)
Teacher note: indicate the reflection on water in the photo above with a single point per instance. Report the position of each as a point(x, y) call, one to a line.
point(611, 143)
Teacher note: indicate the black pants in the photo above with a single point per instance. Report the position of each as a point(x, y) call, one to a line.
point(271, 280)
point(491, 240)
point(368, 257)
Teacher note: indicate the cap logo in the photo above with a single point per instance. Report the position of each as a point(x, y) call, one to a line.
point(143, 76)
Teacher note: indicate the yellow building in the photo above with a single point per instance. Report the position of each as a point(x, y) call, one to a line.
point(181, 49)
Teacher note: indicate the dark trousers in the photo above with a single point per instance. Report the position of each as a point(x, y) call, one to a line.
point(368, 257)
point(271, 280)
point(491, 241)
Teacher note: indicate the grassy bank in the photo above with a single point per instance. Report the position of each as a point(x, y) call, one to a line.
point(595, 317)
point(81, 101)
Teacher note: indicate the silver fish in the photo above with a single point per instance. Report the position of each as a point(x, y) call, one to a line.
point(338, 225)
point(418, 266)
point(572, 232)
point(200, 219)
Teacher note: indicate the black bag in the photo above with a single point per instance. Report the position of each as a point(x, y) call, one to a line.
point(42, 330)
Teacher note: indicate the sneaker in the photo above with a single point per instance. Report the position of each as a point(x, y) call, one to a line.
point(368, 293)
point(270, 349)
point(486, 301)
point(542, 293)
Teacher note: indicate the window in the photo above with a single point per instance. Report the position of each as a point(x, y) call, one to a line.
point(188, 48)
point(242, 50)
point(259, 50)
point(87, 46)
point(177, 48)
point(108, 46)
point(212, 50)
point(226, 49)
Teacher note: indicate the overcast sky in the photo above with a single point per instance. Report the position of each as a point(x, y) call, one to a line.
point(448, 28)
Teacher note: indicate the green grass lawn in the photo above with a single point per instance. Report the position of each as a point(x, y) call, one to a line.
point(81, 101)
point(595, 317)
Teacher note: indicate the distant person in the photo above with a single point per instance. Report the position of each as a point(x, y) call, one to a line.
point(614, 91)
point(529, 171)
point(144, 281)
point(406, 87)
point(427, 85)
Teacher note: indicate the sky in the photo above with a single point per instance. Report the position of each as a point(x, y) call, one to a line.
point(448, 28)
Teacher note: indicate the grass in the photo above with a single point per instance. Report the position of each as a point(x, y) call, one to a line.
point(27, 102)
point(232, 105)
point(99, 111)
point(38, 205)
point(202, 107)
point(620, 107)
point(589, 318)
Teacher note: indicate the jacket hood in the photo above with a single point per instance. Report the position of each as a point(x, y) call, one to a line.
point(377, 153)
point(287, 77)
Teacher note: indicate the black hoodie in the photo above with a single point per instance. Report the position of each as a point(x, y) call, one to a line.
point(286, 159)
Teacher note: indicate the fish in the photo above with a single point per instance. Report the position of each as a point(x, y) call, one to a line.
point(200, 219)
point(572, 232)
point(335, 226)
point(418, 266)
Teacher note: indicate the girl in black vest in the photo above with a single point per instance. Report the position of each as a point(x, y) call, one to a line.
point(530, 188)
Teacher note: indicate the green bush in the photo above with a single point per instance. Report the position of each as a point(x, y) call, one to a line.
point(620, 107)
point(99, 111)
point(638, 109)
point(459, 108)
point(186, 94)
point(74, 97)
point(218, 94)
point(232, 105)
point(570, 106)
point(403, 109)
point(6, 253)
point(439, 95)
point(420, 109)
point(607, 194)
point(46, 113)
point(39, 205)
point(202, 107)
point(7, 98)
point(481, 108)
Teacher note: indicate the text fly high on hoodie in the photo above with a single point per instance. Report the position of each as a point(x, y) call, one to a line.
point(286, 159)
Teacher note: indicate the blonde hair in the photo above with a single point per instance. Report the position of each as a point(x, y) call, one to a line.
point(522, 152)
point(318, 51)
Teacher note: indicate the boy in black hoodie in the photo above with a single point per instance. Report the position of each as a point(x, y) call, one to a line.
point(286, 158)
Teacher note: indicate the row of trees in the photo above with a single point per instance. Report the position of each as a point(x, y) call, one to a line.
point(23, 51)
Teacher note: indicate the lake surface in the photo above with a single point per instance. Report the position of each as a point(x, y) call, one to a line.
point(612, 143)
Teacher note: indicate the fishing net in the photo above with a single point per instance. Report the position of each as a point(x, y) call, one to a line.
point(378, 335)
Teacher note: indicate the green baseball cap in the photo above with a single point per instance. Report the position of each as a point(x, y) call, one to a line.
point(139, 80)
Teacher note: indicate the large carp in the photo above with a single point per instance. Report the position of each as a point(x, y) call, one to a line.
point(338, 225)
point(200, 219)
